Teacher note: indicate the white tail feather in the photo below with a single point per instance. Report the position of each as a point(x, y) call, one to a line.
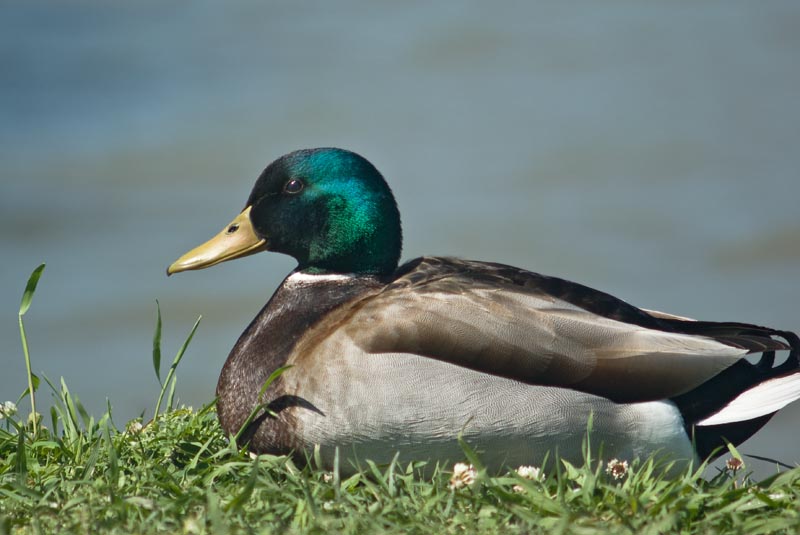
point(765, 398)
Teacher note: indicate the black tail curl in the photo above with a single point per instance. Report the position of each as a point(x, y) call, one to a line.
point(714, 394)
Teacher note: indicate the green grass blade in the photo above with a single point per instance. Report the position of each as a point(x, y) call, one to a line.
point(171, 397)
point(171, 372)
point(31, 388)
point(272, 377)
point(157, 344)
point(35, 383)
point(113, 462)
point(21, 461)
point(69, 417)
point(30, 289)
point(472, 456)
point(27, 297)
point(240, 499)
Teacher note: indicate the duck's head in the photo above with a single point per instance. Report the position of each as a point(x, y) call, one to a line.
point(328, 208)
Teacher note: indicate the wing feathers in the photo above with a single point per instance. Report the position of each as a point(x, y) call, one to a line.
point(539, 330)
point(761, 400)
point(539, 340)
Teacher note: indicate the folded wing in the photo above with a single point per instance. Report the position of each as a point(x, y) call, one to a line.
point(540, 330)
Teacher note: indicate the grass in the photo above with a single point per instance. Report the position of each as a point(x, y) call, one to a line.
point(179, 473)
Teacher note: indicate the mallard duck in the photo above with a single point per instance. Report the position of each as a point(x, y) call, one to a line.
point(384, 359)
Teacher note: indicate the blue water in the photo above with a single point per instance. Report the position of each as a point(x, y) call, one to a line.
point(650, 151)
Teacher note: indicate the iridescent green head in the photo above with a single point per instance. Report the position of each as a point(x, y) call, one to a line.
point(328, 208)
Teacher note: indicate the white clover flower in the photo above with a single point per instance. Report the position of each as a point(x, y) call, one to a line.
point(533, 473)
point(530, 472)
point(617, 469)
point(463, 475)
point(7, 409)
point(134, 427)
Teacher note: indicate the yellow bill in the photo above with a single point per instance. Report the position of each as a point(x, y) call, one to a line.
point(236, 240)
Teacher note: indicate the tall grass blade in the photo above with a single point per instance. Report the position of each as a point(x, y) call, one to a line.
point(30, 289)
point(21, 464)
point(171, 372)
point(25, 304)
point(113, 463)
point(472, 456)
point(157, 344)
point(34, 379)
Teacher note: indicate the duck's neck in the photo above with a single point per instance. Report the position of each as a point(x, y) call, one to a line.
point(301, 301)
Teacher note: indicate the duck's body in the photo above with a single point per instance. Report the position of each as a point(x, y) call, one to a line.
point(374, 403)
point(385, 359)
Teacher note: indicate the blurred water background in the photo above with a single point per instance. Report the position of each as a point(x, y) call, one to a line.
point(649, 150)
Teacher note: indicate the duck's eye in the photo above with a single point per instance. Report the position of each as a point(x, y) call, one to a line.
point(293, 186)
point(232, 229)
